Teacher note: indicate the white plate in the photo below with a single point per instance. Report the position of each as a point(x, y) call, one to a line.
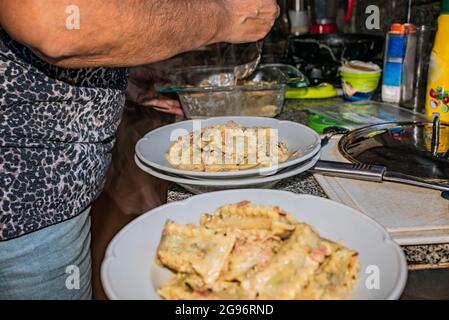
point(201, 186)
point(129, 272)
point(219, 179)
point(152, 148)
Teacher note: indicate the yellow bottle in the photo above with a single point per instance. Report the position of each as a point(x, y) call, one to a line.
point(437, 99)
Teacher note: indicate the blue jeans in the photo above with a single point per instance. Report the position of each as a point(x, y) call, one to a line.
point(52, 263)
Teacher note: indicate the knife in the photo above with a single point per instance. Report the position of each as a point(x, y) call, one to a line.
point(376, 174)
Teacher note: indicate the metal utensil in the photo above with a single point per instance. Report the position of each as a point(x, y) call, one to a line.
point(245, 70)
point(377, 173)
point(436, 132)
point(373, 173)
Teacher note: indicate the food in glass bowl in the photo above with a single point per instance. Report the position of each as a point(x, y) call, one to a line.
point(213, 91)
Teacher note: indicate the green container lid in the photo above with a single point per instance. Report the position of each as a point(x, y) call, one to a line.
point(319, 123)
point(444, 7)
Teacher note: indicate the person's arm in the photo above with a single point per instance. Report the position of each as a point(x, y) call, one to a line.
point(132, 32)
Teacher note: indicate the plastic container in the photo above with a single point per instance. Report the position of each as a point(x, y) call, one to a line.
point(299, 17)
point(399, 65)
point(360, 80)
point(320, 123)
point(437, 99)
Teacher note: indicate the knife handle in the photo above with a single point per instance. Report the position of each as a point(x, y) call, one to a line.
point(350, 170)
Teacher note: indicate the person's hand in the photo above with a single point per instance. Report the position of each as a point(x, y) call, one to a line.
point(141, 90)
point(165, 105)
point(248, 20)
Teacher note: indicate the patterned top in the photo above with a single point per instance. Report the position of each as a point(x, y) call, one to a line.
point(57, 130)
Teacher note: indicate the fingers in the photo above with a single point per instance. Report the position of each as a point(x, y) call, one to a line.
point(165, 105)
point(176, 112)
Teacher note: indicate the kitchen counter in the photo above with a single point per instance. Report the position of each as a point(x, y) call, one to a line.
point(418, 257)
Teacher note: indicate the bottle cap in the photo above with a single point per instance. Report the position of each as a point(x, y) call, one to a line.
point(398, 28)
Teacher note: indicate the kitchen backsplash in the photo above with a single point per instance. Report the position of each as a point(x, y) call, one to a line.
point(424, 12)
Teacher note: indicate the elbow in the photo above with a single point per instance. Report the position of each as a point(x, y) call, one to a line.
point(52, 49)
point(50, 43)
point(69, 54)
point(53, 52)
point(64, 54)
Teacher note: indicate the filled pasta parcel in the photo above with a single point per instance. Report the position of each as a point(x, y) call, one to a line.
point(250, 251)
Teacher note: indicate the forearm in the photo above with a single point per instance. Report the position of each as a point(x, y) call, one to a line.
point(113, 32)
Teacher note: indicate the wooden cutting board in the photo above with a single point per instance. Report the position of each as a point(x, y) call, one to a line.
point(412, 215)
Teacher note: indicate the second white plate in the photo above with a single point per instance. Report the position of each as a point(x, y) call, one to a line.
point(300, 139)
point(201, 186)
